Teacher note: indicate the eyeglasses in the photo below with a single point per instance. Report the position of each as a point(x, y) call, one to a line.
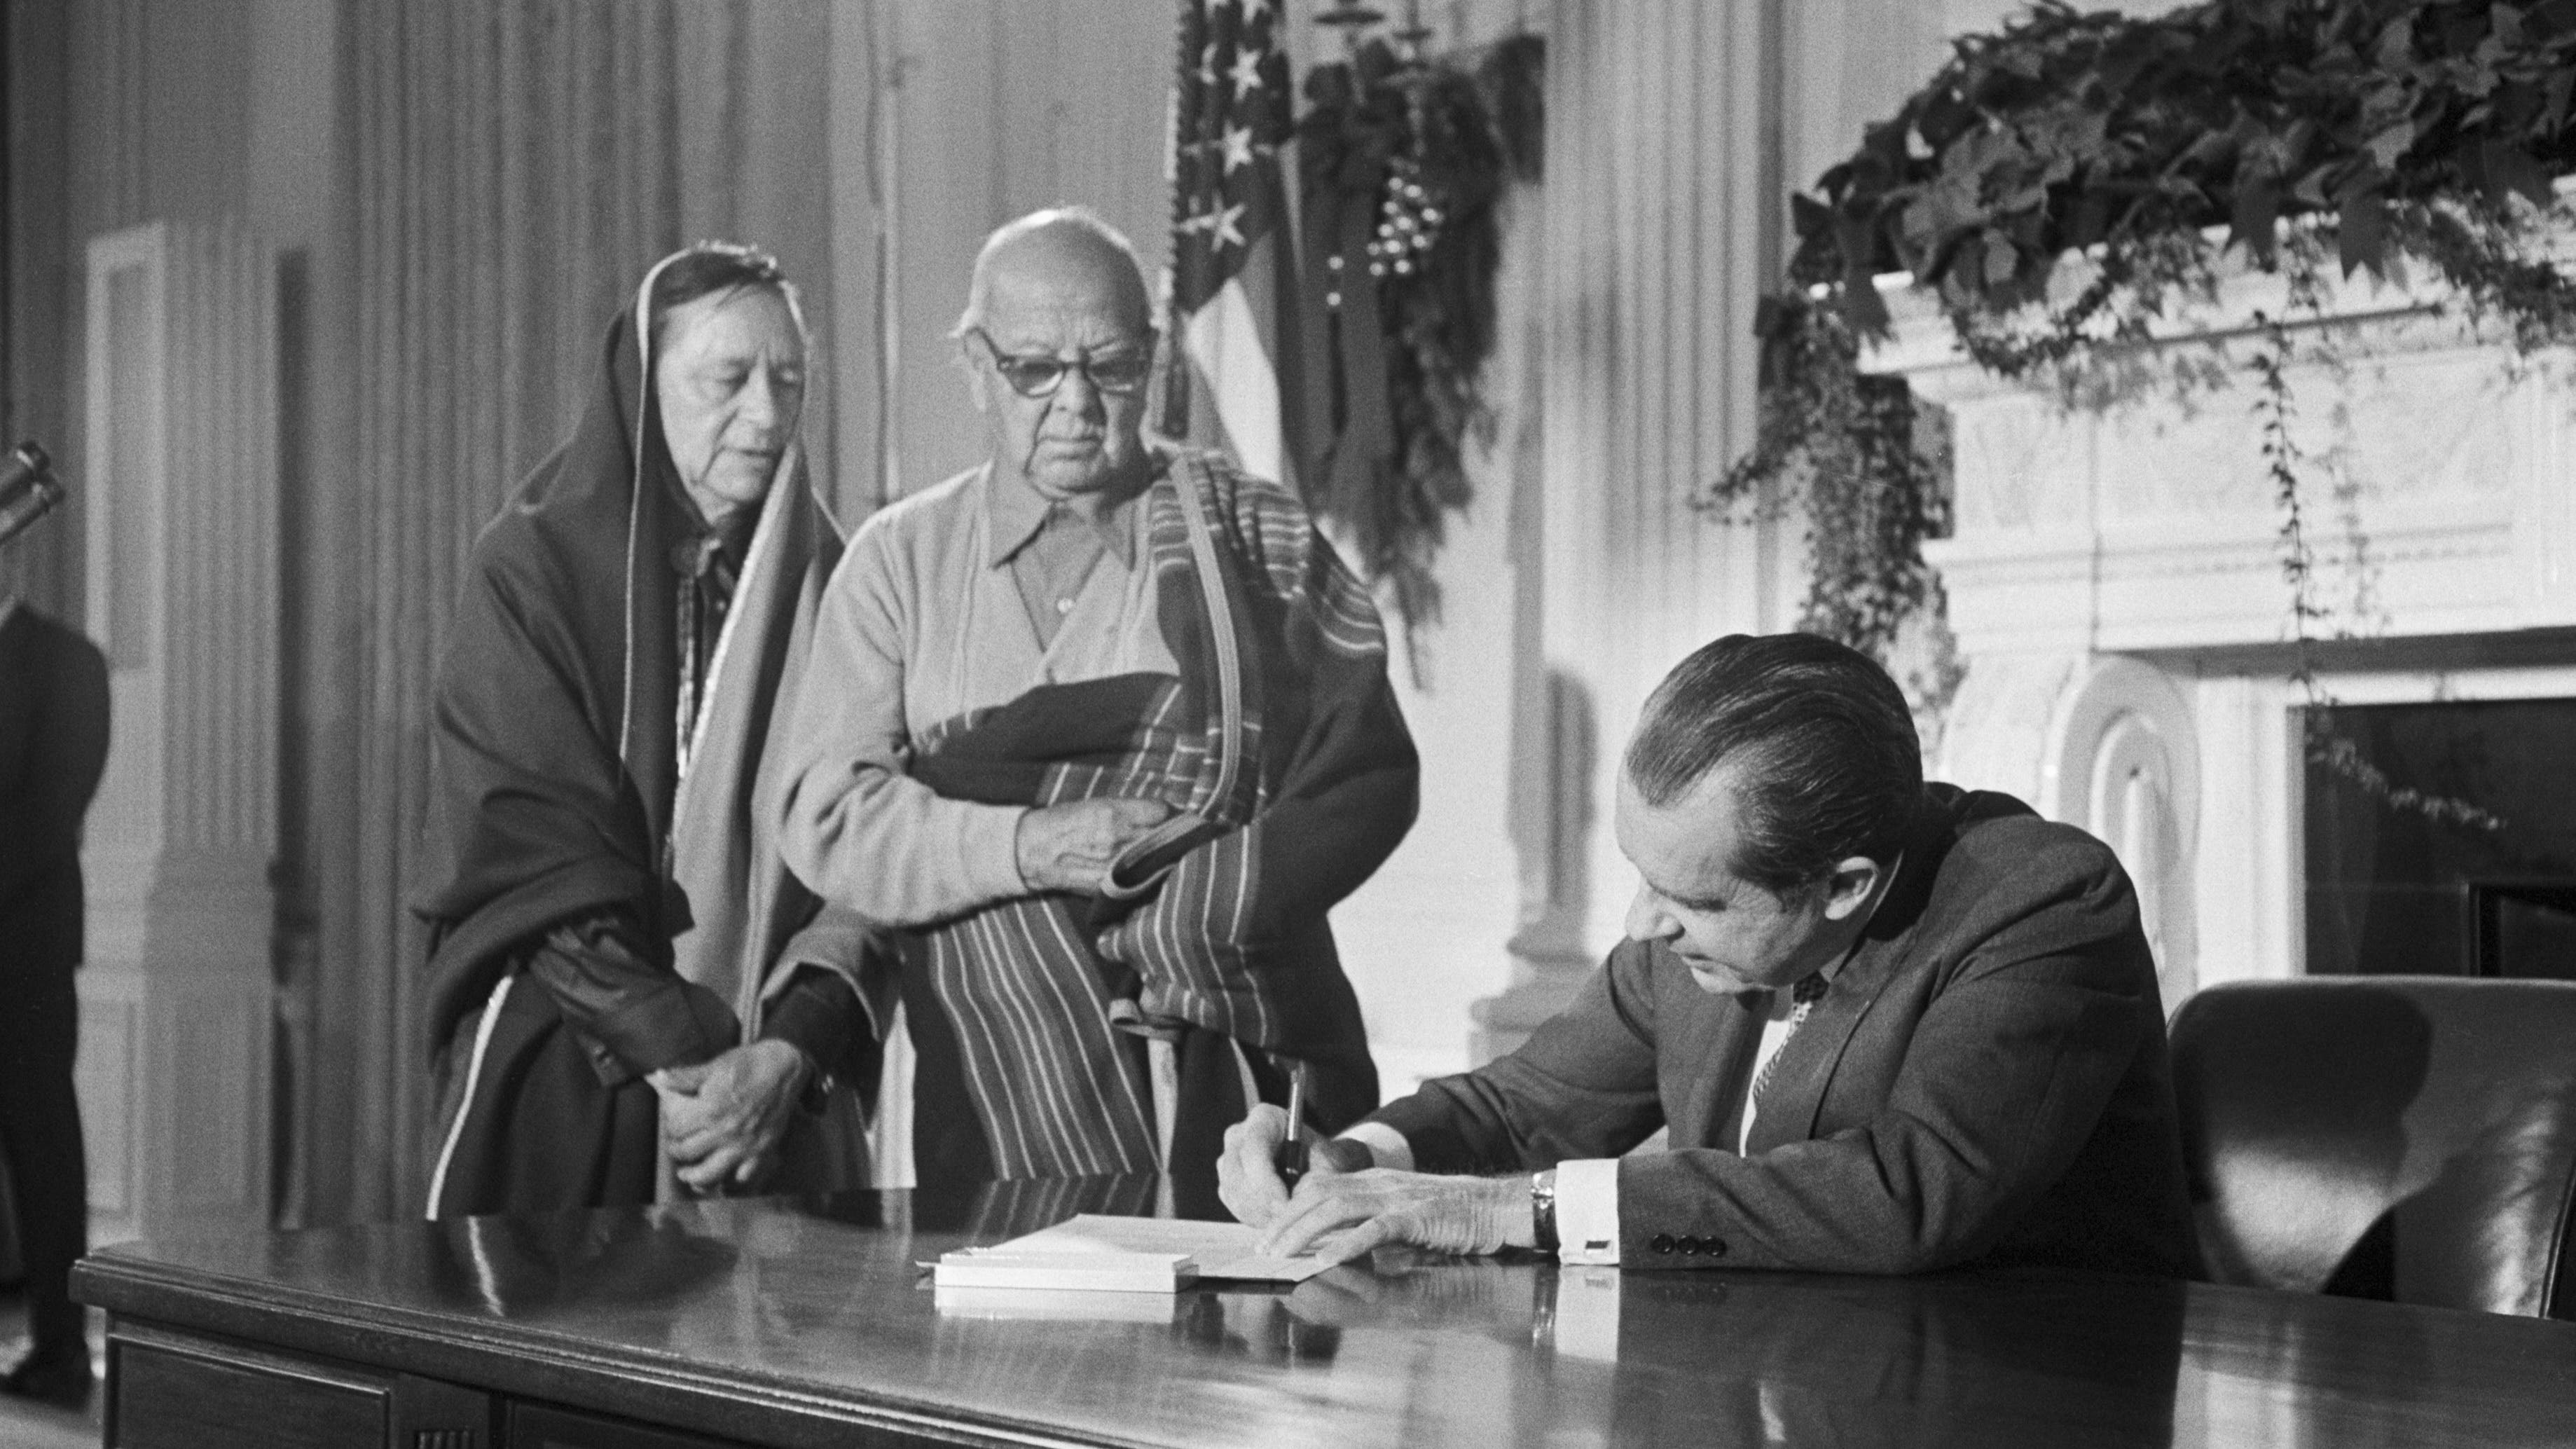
point(1036, 374)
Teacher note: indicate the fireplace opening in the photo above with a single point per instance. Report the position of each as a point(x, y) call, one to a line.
point(2393, 890)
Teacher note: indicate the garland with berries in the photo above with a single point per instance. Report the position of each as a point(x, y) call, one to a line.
point(1401, 165)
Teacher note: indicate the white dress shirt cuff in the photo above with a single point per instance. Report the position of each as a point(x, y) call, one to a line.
point(1587, 1211)
point(1384, 1143)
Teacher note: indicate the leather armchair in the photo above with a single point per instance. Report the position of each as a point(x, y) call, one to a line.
point(2402, 1137)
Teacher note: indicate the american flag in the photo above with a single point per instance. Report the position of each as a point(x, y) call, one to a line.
point(1231, 248)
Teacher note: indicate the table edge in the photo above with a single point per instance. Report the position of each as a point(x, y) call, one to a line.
point(535, 1363)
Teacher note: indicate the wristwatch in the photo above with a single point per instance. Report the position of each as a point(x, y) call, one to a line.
point(1543, 1209)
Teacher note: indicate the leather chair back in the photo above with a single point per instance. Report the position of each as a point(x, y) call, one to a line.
point(2401, 1137)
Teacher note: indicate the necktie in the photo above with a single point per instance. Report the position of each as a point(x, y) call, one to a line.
point(707, 580)
point(1805, 994)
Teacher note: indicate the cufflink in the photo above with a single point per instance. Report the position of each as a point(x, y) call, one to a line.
point(817, 1096)
point(1543, 1210)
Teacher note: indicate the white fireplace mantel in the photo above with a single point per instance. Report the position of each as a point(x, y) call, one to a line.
point(2115, 580)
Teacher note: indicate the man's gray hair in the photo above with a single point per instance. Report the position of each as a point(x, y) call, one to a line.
point(1080, 217)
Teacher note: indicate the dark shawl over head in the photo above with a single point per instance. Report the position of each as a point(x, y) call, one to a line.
point(555, 766)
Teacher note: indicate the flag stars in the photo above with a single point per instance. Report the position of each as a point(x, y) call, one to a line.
point(1247, 72)
point(1223, 224)
point(1207, 66)
point(1238, 147)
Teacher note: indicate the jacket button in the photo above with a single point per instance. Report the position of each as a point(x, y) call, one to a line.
point(1662, 1243)
point(1717, 1247)
point(1688, 1245)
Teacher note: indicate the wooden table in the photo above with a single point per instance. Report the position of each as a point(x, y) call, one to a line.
point(777, 1322)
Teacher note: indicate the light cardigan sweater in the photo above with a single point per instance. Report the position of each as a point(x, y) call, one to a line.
point(924, 621)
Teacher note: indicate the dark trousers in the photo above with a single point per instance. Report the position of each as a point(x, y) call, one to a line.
point(40, 1131)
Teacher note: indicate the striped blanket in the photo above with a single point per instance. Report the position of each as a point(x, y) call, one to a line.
point(1281, 752)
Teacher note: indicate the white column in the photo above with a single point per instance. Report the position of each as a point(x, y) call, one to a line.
point(1661, 233)
point(181, 489)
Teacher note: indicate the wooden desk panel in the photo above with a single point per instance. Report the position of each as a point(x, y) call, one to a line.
point(783, 1323)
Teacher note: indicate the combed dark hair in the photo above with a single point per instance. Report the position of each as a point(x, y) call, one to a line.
point(1828, 765)
point(716, 266)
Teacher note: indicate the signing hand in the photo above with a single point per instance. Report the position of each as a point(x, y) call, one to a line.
point(1346, 1215)
point(722, 1119)
point(1069, 847)
point(1247, 1173)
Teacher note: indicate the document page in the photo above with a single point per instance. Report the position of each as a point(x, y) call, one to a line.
point(1223, 1250)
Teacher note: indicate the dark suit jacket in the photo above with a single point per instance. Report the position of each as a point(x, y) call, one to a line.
point(1986, 1081)
point(53, 745)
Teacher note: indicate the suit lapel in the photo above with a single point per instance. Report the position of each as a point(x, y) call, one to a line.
point(1719, 1035)
point(1808, 1059)
point(1796, 1091)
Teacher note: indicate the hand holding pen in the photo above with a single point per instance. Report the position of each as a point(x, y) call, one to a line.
point(1290, 1158)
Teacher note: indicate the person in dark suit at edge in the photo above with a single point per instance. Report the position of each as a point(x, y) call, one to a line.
point(1893, 1027)
point(53, 747)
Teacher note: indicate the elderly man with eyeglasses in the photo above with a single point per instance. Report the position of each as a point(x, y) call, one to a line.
point(1099, 730)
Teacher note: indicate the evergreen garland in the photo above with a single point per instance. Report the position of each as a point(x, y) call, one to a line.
point(2359, 134)
point(1425, 150)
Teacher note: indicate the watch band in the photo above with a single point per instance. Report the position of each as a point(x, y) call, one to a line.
point(1543, 1209)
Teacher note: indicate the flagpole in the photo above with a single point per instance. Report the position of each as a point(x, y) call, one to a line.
point(1172, 375)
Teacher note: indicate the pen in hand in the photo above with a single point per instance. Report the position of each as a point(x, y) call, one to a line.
point(1290, 1160)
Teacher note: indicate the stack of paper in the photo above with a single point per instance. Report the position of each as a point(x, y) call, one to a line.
point(1059, 1305)
point(1134, 1255)
point(1226, 1251)
point(1010, 1265)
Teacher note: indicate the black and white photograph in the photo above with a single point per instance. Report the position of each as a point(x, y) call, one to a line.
point(1310, 724)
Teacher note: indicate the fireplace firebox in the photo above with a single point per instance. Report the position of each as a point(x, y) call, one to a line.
point(2394, 888)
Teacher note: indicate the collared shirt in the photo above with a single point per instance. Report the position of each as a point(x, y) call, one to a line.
point(1052, 545)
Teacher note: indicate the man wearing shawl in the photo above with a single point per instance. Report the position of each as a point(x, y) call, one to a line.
point(1099, 731)
point(627, 993)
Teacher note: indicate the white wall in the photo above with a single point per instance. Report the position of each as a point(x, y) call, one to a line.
point(1431, 933)
point(991, 111)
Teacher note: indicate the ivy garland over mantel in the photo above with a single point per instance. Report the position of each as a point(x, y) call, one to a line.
point(2305, 135)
